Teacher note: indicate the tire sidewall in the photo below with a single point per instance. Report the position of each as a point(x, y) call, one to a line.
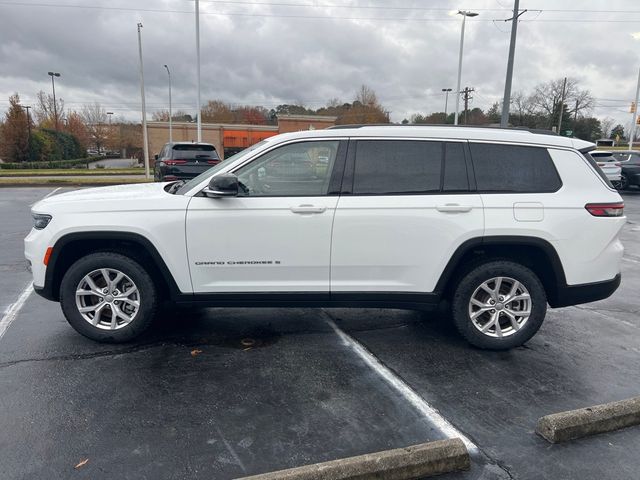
point(473, 279)
point(129, 267)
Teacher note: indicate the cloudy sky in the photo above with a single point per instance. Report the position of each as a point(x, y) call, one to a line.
point(268, 52)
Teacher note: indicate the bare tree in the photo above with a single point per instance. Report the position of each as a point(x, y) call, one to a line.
point(45, 111)
point(95, 121)
point(547, 98)
point(216, 111)
point(606, 125)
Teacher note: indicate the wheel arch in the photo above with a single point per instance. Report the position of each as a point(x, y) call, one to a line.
point(73, 246)
point(535, 253)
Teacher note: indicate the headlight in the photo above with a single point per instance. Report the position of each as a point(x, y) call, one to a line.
point(40, 220)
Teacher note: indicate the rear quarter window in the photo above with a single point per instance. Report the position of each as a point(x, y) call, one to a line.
point(598, 170)
point(513, 169)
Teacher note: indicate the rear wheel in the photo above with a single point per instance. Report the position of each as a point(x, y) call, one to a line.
point(499, 305)
point(108, 297)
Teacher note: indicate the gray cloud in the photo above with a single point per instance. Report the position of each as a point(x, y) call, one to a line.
point(269, 60)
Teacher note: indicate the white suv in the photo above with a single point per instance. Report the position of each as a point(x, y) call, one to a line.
point(497, 222)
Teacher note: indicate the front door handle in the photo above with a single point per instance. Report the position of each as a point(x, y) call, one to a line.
point(307, 209)
point(454, 208)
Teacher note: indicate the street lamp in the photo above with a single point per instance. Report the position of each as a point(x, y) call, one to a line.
point(465, 14)
point(145, 140)
point(632, 130)
point(170, 114)
point(55, 105)
point(446, 102)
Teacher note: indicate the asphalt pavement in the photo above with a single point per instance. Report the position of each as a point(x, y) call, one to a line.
point(222, 393)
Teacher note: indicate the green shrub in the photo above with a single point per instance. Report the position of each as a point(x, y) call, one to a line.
point(75, 163)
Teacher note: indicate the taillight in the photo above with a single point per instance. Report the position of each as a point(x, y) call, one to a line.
point(602, 164)
point(605, 209)
point(213, 162)
point(175, 162)
point(617, 164)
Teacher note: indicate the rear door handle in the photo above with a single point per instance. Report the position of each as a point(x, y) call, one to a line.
point(454, 208)
point(308, 209)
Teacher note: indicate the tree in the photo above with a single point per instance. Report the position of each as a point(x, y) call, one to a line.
point(76, 127)
point(14, 136)
point(547, 97)
point(364, 109)
point(216, 111)
point(45, 111)
point(95, 121)
point(606, 124)
point(617, 132)
point(587, 128)
point(494, 114)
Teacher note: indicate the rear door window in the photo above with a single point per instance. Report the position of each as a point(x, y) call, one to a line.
point(513, 169)
point(387, 167)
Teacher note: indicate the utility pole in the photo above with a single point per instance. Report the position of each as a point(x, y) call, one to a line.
point(170, 113)
point(564, 87)
point(467, 97)
point(575, 118)
point(506, 101)
point(198, 68)
point(632, 130)
point(145, 141)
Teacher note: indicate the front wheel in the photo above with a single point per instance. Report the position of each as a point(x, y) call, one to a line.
point(108, 297)
point(499, 305)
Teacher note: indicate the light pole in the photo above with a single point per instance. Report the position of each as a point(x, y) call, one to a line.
point(198, 67)
point(109, 113)
point(170, 113)
point(55, 105)
point(632, 130)
point(506, 99)
point(145, 142)
point(465, 14)
point(446, 102)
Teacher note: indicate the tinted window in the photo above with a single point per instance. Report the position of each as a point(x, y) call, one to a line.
point(513, 168)
point(397, 166)
point(297, 169)
point(455, 169)
point(194, 151)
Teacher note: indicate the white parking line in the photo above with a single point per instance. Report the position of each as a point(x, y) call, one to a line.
point(13, 310)
point(445, 427)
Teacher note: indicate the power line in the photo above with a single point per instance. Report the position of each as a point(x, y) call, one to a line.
point(316, 17)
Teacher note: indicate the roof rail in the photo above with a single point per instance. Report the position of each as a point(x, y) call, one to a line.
point(538, 131)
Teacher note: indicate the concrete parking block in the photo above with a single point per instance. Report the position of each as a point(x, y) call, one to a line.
point(417, 461)
point(573, 424)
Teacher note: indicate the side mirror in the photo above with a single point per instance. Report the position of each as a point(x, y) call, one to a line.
point(155, 156)
point(224, 185)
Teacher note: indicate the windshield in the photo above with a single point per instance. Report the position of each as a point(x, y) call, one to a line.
point(213, 170)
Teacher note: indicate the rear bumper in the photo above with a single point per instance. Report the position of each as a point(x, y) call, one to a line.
point(585, 293)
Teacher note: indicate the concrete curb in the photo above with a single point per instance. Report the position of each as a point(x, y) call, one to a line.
point(416, 461)
point(560, 427)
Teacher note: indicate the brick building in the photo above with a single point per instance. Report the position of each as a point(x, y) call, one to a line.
point(229, 139)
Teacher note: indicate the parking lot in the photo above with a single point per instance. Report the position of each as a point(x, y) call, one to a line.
point(224, 393)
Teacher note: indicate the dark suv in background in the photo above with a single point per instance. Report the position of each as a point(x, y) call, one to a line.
point(184, 160)
point(630, 163)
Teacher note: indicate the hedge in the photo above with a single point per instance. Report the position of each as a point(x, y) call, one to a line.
point(76, 163)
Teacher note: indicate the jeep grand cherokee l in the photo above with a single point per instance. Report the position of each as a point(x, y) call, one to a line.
point(497, 222)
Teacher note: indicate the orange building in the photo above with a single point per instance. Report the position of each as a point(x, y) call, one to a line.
point(230, 139)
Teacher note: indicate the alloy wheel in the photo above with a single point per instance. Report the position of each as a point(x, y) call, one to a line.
point(107, 299)
point(500, 307)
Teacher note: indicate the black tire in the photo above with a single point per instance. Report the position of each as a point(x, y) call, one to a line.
point(473, 279)
point(147, 296)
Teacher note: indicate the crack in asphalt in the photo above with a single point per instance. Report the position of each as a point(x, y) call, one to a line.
point(88, 356)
